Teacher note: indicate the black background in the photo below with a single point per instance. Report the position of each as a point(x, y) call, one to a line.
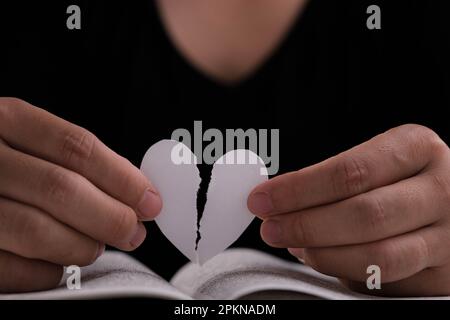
point(331, 84)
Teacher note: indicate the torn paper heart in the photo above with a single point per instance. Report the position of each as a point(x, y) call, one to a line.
point(225, 215)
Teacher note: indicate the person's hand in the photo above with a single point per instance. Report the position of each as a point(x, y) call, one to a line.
point(63, 195)
point(385, 202)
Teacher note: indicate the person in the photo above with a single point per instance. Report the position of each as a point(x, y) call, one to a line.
point(365, 170)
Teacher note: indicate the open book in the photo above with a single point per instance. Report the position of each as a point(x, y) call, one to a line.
point(233, 274)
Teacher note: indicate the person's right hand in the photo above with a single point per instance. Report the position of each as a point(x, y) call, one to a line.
point(63, 195)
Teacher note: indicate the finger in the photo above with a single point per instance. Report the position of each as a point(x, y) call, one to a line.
point(19, 274)
point(43, 135)
point(69, 198)
point(378, 214)
point(429, 282)
point(33, 234)
point(398, 258)
point(395, 155)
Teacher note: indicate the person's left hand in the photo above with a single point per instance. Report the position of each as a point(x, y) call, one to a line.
point(385, 202)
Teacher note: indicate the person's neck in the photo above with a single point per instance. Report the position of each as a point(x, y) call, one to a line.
point(228, 39)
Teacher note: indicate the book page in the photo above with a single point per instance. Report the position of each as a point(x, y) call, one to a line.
point(246, 273)
point(113, 275)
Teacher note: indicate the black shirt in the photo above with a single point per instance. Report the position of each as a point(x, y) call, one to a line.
point(330, 85)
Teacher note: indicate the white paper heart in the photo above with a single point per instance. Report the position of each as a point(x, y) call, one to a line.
point(226, 215)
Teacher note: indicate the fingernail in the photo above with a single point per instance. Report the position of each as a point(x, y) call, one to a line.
point(100, 250)
point(260, 203)
point(299, 253)
point(149, 206)
point(271, 231)
point(139, 236)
